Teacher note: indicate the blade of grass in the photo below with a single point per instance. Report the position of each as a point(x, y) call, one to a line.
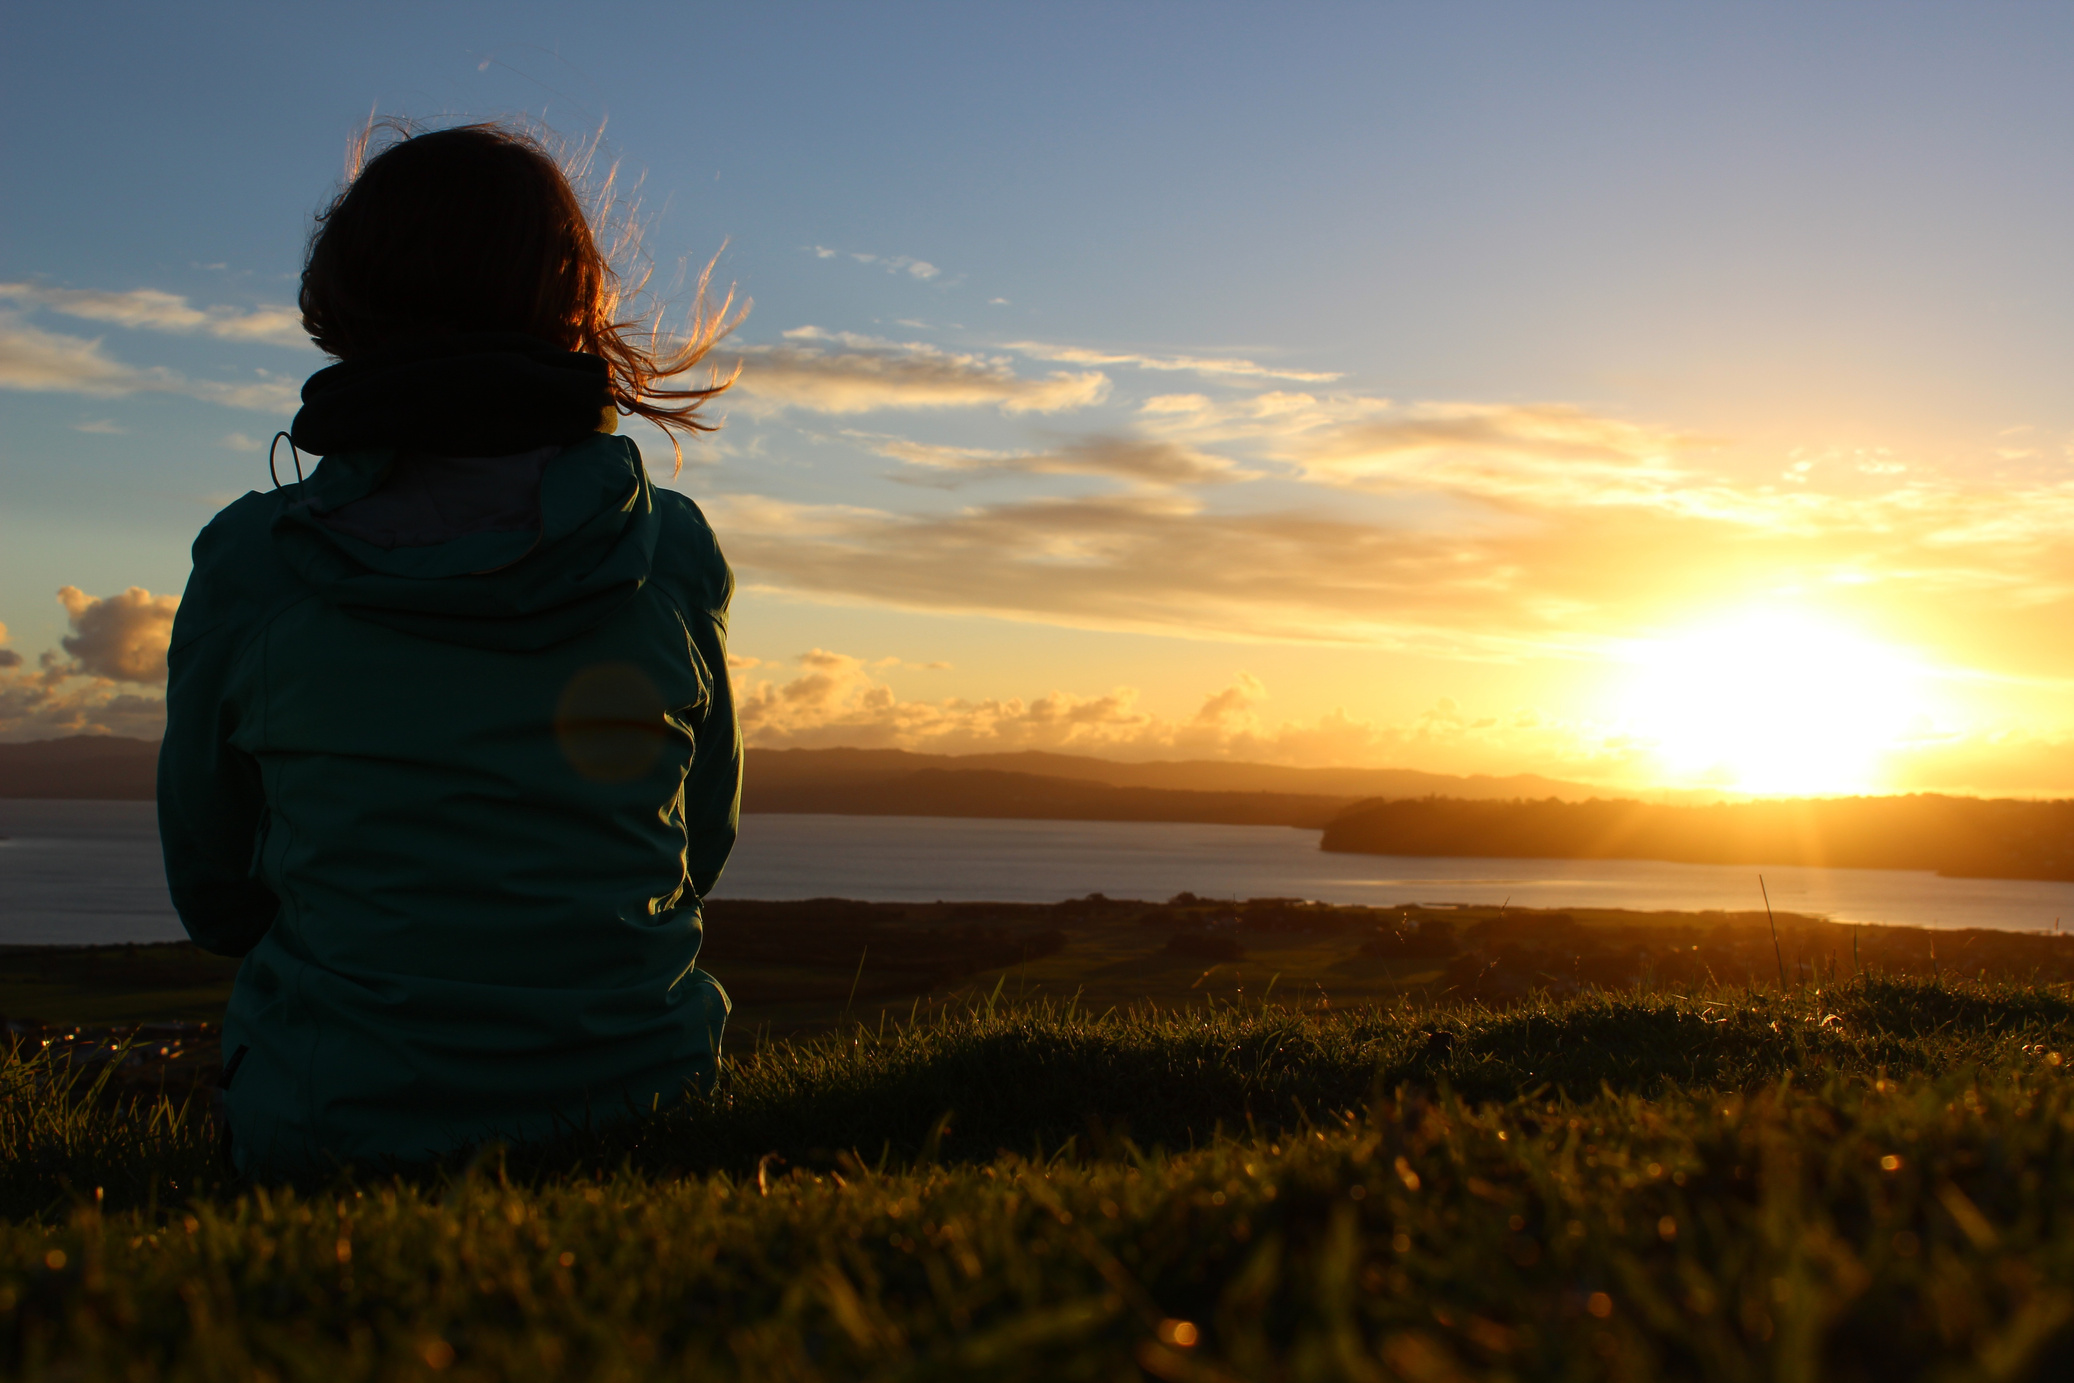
point(854, 980)
point(1777, 954)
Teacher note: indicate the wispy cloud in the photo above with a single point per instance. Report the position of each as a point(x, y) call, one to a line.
point(1143, 461)
point(1216, 366)
point(36, 360)
point(149, 309)
point(1277, 421)
point(1547, 454)
point(840, 372)
point(893, 264)
point(1147, 561)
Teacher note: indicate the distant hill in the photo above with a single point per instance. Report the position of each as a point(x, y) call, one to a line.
point(993, 793)
point(892, 782)
point(1962, 836)
point(105, 766)
point(773, 770)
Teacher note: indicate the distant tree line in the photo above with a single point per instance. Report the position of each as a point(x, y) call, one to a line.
point(1961, 836)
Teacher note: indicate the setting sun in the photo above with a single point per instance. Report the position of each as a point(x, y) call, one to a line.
point(1773, 702)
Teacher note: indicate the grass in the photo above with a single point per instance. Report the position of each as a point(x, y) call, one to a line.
point(114, 984)
point(1873, 1180)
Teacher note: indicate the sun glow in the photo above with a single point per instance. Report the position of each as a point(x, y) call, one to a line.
point(1773, 702)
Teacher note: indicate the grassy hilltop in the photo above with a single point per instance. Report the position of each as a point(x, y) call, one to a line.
point(1865, 1173)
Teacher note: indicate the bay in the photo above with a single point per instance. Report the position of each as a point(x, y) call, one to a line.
point(82, 873)
point(89, 873)
point(922, 859)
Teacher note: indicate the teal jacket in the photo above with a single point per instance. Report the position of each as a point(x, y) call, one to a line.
point(455, 798)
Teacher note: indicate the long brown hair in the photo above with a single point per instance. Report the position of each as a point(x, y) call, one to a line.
point(479, 228)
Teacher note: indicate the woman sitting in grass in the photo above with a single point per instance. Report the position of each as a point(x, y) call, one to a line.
point(450, 753)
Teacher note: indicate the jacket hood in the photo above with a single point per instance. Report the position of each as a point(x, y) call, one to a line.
point(497, 586)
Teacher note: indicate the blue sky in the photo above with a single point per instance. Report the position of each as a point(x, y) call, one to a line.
point(1381, 384)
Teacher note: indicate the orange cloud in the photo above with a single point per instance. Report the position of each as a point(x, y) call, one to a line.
point(117, 644)
point(52, 701)
point(834, 699)
point(121, 638)
point(34, 706)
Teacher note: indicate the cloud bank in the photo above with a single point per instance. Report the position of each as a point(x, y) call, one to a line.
point(835, 700)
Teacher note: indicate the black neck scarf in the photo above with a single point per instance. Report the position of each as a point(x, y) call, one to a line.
point(472, 394)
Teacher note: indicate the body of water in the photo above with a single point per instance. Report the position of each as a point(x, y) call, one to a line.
point(89, 872)
point(75, 873)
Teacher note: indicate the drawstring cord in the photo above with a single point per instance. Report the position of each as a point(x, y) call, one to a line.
point(270, 447)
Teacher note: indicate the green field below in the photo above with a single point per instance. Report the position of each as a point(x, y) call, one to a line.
point(1038, 1169)
point(800, 967)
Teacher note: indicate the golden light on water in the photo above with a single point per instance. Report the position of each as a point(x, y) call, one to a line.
point(1774, 702)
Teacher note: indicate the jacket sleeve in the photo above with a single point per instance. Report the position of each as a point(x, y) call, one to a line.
point(211, 803)
point(713, 785)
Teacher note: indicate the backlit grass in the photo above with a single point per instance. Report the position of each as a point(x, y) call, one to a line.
point(1872, 1182)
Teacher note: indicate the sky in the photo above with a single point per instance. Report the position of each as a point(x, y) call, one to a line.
point(1660, 396)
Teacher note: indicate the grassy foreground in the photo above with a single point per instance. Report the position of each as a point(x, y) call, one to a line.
point(1872, 1182)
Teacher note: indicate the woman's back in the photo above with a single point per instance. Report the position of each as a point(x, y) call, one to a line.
point(486, 836)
